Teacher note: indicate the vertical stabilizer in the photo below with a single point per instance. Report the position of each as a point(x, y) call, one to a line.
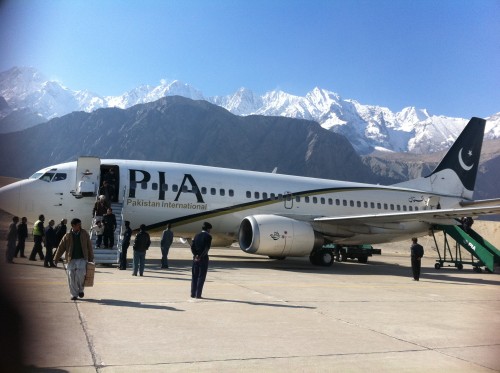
point(457, 171)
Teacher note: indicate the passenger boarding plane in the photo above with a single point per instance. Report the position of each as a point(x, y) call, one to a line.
point(267, 213)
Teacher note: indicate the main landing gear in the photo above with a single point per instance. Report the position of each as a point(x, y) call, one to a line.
point(322, 257)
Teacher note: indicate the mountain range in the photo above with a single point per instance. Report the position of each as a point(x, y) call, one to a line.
point(28, 98)
point(178, 129)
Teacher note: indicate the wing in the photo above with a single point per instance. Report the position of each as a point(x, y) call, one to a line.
point(442, 216)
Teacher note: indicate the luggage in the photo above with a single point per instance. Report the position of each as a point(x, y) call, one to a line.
point(89, 276)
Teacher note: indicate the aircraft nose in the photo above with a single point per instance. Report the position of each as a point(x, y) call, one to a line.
point(10, 198)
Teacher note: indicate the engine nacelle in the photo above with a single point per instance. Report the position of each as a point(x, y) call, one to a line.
point(277, 236)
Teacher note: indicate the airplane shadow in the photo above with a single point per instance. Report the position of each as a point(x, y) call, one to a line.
point(377, 266)
point(124, 303)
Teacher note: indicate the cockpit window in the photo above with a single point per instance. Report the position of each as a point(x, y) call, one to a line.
point(47, 176)
point(59, 176)
point(36, 175)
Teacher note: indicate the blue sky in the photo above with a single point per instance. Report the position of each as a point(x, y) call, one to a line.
point(442, 55)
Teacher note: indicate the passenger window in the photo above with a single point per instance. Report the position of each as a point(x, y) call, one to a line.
point(385, 206)
point(164, 187)
point(330, 201)
point(273, 196)
point(404, 207)
point(222, 192)
point(323, 201)
point(264, 195)
point(306, 199)
point(249, 194)
point(398, 207)
point(144, 185)
point(351, 203)
point(344, 202)
point(372, 205)
point(365, 205)
point(392, 206)
point(257, 195)
point(315, 200)
point(213, 191)
point(231, 193)
point(379, 205)
point(358, 203)
point(154, 186)
point(203, 190)
point(416, 208)
point(175, 188)
point(297, 198)
point(410, 208)
point(337, 202)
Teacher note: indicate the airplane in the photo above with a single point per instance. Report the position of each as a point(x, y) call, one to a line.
point(268, 214)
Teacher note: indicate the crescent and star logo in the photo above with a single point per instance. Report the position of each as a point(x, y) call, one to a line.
point(461, 161)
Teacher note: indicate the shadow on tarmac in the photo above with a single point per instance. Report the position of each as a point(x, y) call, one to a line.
point(259, 303)
point(380, 266)
point(124, 303)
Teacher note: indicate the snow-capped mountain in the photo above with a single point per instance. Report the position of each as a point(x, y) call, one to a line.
point(367, 127)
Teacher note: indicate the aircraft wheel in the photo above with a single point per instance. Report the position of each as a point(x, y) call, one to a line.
point(363, 259)
point(460, 266)
point(437, 266)
point(477, 269)
point(326, 258)
point(313, 259)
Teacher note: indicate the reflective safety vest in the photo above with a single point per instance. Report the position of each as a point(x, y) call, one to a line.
point(36, 229)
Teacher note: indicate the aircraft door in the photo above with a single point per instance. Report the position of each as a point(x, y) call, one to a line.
point(288, 200)
point(88, 170)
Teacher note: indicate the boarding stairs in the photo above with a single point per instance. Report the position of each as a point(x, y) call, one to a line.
point(110, 256)
point(482, 252)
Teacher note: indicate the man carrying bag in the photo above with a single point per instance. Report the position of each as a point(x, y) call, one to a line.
point(77, 247)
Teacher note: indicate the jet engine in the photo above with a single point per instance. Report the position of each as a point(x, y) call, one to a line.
point(277, 236)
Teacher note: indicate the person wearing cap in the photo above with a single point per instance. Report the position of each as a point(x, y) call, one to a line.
point(200, 247)
point(417, 252)
point(77, 247)
point(141, 245)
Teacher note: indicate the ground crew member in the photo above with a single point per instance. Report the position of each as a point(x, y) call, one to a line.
point(38, 234)
point(417, 252)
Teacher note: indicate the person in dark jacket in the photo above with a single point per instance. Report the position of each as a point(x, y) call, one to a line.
point(166, 241)
point(61, 230)
point(50, 244)
point(200, 247)
point(417, 252)
point(22, 235)
point(127, 235)
point(109, 221)
point(141, 244)
point(11, 240)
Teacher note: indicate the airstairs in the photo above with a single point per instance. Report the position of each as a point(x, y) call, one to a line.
point(110, 256)
point(482, 253)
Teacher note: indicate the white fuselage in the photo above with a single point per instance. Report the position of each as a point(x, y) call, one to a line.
point(157, 193)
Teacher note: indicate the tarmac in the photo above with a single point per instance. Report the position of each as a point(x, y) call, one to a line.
point(259, 314)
